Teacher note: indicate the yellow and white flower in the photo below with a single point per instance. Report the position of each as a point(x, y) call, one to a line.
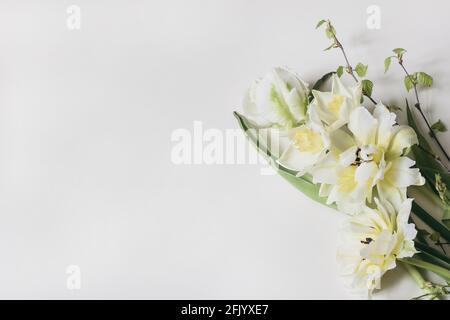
point(373, 161)
point(372, 242)
point(279, 99)
point(308, 145)
point(334, 107)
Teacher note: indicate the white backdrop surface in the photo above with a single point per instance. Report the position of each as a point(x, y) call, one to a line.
point(86, 176)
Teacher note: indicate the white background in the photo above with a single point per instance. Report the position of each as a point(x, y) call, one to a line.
point(85, 141)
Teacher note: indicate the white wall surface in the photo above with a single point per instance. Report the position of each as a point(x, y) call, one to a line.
point(86, 117)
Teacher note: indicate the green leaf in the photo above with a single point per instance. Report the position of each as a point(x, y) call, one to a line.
point(427, 162)
point(431, 221)
point(387, 63)
point(435, 236)
point(438, 257)
point(446, 218)
point(430, 169)
point(340, 71)
point(361, 69)
point(321, 22)
point(319, 83)
point(439, 126)
point(330, 32)
point(367, 87)
point(330, 47)
point(443, 272)
point(409, 84)
point(423, 232)
point(399, 52)
point(303, 183)
point(424, 79)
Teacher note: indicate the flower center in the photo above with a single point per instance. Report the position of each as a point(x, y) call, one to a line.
point(335, 104)
point(369, 153)
point(307, 140)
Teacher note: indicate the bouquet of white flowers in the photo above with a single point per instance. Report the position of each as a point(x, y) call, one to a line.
point(346, 150)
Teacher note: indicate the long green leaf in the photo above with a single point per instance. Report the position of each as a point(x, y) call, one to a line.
point(443, 272)
point(431, 221)
point(427, 163)
point(433, 252)
point(303, 183)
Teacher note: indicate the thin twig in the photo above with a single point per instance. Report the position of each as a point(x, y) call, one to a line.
point(348, 66)
point(418, 107)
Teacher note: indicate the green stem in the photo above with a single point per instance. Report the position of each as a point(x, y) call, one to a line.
point(431, 221)
point(421, 282)
point(349, 67)
point(432, 252)
point(415, 274)
point(443, 272)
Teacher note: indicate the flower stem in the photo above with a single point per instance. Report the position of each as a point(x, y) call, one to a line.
point(424, 285)
point(415, 274)
point(440, 271)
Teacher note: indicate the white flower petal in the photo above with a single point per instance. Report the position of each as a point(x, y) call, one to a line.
point(370, 244)
point(363, 126)
point(403, 137)
point(386, 121)
point(347, 157)
point(295, 160)
point(278, 99)
point(390, 193)
point(401, 175)
point(353, 93)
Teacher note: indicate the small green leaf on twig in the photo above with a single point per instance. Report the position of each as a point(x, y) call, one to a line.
point(321, 22)
point(435, 236)
point(330, 47)
point(438, 126)
point(361, 69)
point(441, 187)
point(367, 87)
point(424, 79)
point(340, 71)
point(409, 82)
point(330, 32)
point(387, 63)
point(399, 52)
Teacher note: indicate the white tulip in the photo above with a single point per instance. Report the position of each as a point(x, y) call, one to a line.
point(334, 107)
point(280, 99)
point(373, 162)
point(372, 241)
point(307, 146)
